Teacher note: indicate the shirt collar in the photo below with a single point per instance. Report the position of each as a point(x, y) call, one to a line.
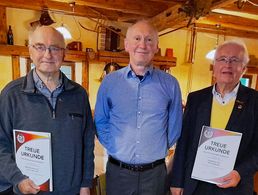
point(40, 84)
point(130, 73)
point(228, 96)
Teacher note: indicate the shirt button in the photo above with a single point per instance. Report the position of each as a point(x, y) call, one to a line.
point(140, 98)
point(137, 155)
point(139, 113)
point(137, 142)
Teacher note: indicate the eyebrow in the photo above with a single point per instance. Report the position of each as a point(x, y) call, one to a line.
point(42, 44)
point(227, 57)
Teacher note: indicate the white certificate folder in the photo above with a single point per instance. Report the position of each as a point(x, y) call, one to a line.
point(33, 157)
point(216, 154)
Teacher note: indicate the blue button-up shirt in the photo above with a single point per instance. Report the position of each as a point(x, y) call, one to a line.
point(137, 121)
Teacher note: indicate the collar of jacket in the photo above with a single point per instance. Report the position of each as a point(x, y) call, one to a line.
point(28, 85)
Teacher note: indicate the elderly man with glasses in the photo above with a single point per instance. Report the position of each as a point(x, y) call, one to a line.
point(227, 105)
point(45, 100)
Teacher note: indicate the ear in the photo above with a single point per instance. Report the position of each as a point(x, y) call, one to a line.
point(244, 70)
point(30, 52)
point(157, 49)
point(126, 44)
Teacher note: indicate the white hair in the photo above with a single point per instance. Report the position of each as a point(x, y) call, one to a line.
point(237, 42)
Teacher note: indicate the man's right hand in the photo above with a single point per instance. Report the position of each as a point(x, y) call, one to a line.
point(176, 191)
point(27, 186)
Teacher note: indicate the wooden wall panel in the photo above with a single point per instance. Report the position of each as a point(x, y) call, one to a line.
point(85, 75)
point(16, 67)
point(3, 27)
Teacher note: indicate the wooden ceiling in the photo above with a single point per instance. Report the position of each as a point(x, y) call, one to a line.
point(165, 14)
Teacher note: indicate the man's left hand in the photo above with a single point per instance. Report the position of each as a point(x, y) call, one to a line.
point(230, 180)
point(85, 191)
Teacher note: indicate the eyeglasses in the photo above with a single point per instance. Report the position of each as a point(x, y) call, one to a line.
point(52, 49)
point(229, 60)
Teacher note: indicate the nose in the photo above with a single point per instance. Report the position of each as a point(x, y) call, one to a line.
point(143, 43)
point(228, 64)
point(48, 53)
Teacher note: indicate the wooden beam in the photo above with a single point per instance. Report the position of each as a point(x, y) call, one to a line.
point(3, 26)
point(123, 57)
point(209, 28)
point(134, 7)
point(171, 18)
point(85, 74)
point(222, 3)
point(14, 50)
point(57, 7)
point(70, 55)
point(247, 8)
point(92, 8)
point(230, 21)
point(16, 67)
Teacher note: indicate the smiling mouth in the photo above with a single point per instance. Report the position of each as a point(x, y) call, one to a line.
point(47, 62)
point(141, 52)
point(227, 73)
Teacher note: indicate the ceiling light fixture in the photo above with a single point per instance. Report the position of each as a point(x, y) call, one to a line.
point(211, 54)
point(64, 31)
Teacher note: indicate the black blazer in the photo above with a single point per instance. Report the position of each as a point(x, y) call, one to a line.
point(244, 119)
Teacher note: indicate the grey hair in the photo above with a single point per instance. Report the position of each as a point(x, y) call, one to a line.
point(237, 42)
point(146, 21)
point(31, 32)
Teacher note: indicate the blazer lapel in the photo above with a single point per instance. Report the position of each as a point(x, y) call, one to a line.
point(238, 108)
point(204, 110)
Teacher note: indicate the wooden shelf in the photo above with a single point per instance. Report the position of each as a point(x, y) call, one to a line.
point(123, 57)
point(101, 56)
point(17, 50)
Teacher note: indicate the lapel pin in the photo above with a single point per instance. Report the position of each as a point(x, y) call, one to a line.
point(240, 104)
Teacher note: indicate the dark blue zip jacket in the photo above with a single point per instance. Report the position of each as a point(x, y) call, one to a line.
point(71, 126)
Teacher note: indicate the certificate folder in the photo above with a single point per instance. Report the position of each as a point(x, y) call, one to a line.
point(216, 154)
point(33, 157)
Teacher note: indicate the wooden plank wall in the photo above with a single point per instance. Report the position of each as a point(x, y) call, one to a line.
point(3, 27)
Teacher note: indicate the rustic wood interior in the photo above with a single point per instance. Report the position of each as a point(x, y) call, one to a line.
point(164, 13)
point(167, 15)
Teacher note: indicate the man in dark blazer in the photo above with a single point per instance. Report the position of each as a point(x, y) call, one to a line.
point(202, 106)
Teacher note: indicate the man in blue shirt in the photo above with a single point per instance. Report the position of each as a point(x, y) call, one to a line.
point(138, 116)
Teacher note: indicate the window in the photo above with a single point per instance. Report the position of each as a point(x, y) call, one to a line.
point(246, 80)
point(68, 68)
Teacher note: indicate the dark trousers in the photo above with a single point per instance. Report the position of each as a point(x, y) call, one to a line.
point(204, 188)
point(9, 191)
point(121, 181)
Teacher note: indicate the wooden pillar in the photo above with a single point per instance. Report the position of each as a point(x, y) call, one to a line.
point(16, 67)
point(3, 26)
point(85, 74)
point(28, 65)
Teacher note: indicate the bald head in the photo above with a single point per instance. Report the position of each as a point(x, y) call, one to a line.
point(143, 24)
point(48, 35)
